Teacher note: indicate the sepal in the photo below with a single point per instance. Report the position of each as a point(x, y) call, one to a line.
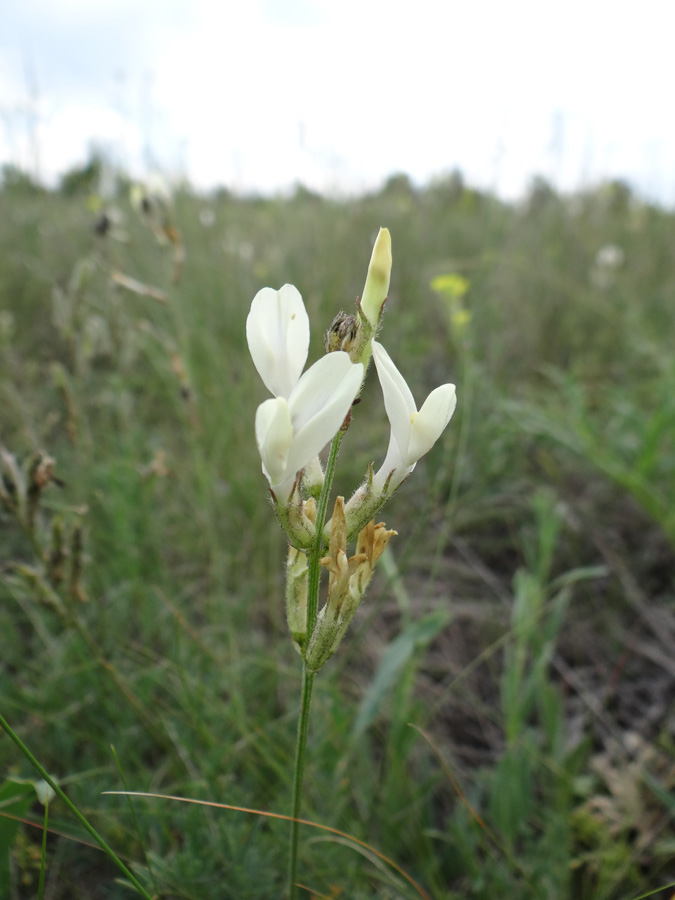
point(348, 579)
point(297, 571)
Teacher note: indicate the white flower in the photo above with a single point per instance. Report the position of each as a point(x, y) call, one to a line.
point(277, 331)
point(413, 433)
point(307, 410)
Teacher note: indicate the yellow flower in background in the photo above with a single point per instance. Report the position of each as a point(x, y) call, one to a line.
point(451, 285)
point(452, 288)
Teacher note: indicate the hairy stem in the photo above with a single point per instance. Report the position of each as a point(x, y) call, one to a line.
point(301, 746)
point(313, 580)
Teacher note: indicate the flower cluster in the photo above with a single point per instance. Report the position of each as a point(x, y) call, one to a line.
point(307, 411)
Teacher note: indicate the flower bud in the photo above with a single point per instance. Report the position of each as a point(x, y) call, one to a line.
point(376, 287)
point(341, 334)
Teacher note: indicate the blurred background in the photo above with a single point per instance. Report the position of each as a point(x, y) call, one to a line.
point(264, 95)
point(500, 719)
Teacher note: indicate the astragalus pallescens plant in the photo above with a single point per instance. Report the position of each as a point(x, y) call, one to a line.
point(308, 411)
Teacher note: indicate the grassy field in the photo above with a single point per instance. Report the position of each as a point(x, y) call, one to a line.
point(500, 719)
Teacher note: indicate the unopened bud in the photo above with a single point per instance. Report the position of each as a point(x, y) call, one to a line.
point(376, 287)
point(341, 334)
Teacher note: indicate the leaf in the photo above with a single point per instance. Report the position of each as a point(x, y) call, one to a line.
point(396, 656)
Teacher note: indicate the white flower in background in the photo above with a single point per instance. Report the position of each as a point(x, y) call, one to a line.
point(609, 257)
point(608, 260)
point(413, 433)
point(307, 410)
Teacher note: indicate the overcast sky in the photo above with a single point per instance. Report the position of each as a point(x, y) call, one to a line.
point(261, 94)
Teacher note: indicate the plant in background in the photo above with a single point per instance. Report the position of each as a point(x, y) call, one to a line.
point(307, 412)
point(452, 289)
point(153, 203)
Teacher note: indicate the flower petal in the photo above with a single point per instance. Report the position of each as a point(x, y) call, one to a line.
point(398, 399)
point(319, 404)
point(277, 331)
point(274, 437)
point(394, 462)
point(430, 421)
point(412, 433)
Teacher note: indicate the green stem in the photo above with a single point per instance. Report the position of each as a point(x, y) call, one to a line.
point(316, 551)
point(313, 580)
point(303, 725)
point(71, 806)
point(43, 852)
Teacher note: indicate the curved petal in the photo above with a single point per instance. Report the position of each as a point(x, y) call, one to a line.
point(393, 462)
point(430, 421)
point(277, 331)
point(320, 382)
point(319, 404)
point(274, 437)
point(398, 399)
point(412, 433)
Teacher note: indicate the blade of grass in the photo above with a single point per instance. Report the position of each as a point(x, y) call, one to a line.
point(7, 728)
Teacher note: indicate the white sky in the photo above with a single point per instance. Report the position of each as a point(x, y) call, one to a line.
point(260, 94)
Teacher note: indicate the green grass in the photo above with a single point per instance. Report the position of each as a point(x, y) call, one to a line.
point(523, 621)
